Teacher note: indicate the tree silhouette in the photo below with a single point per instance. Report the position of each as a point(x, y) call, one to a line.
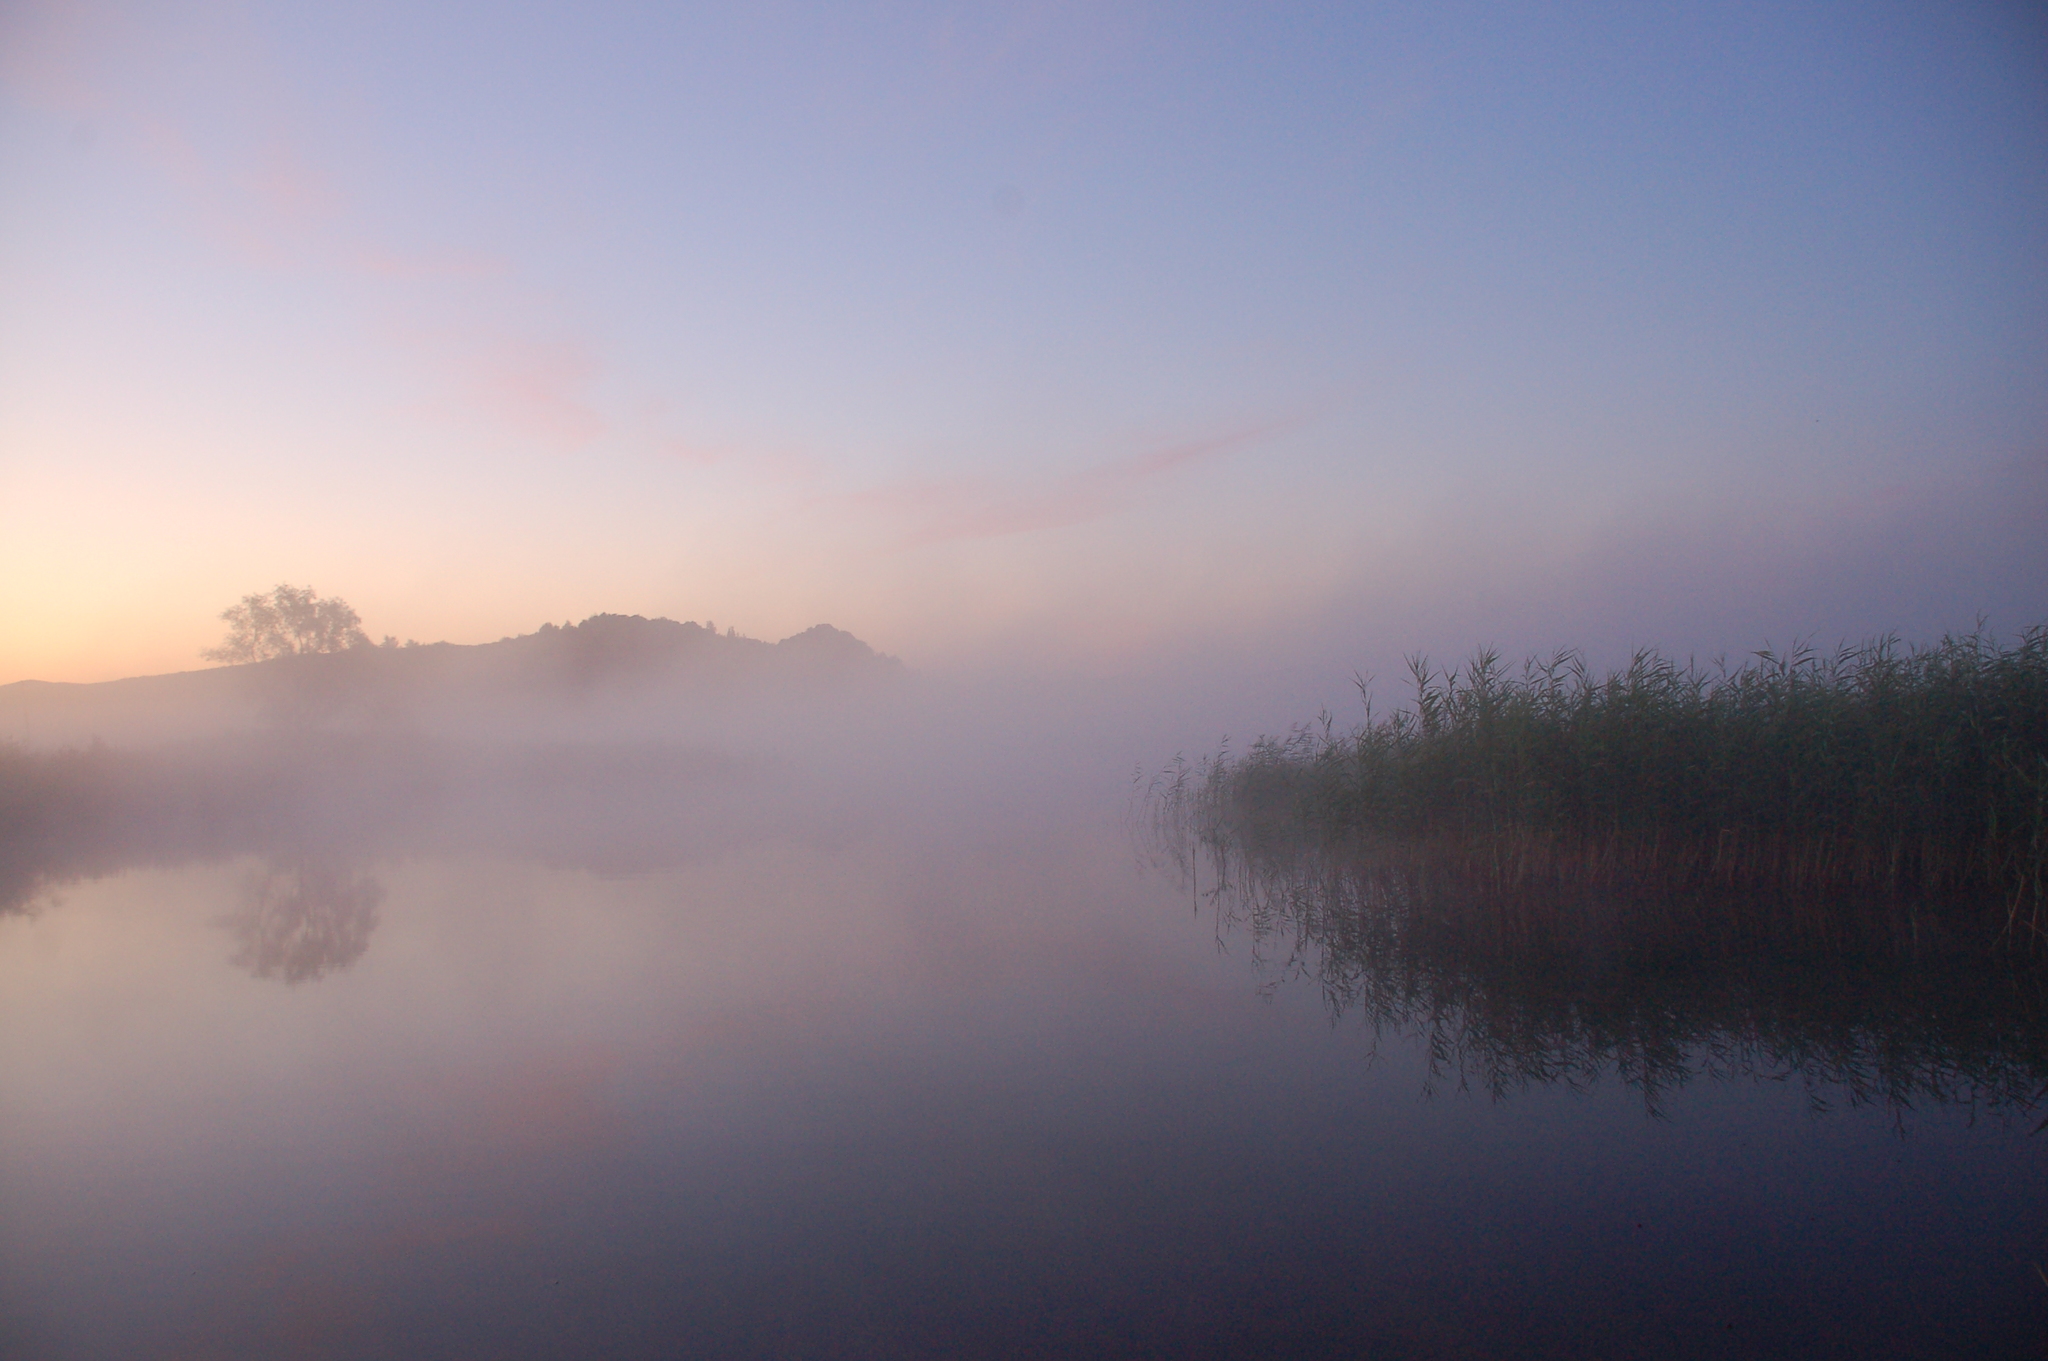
point(289, 621)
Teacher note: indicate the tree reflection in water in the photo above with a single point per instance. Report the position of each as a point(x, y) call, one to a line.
point(1505, 992)
point(302, 921)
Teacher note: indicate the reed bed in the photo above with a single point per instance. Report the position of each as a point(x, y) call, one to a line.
point(1813, 786)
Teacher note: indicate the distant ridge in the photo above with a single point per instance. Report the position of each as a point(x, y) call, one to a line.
point(604, 642)
point(609, 663)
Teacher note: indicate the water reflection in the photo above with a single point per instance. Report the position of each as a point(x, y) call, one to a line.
point(75, 815)
point(1504, 994)
point(909, 1083)
point(300, 922)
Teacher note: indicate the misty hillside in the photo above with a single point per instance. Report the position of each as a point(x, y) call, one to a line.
point(614, 650)
point(620, 668)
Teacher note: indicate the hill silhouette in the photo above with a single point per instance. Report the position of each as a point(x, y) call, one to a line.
point(620, 742)
point(611, 669)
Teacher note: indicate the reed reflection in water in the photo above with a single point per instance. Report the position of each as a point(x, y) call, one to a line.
point(1508, 988)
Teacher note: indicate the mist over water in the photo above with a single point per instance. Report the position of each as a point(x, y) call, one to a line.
point(866, 1018)
point(966, 975)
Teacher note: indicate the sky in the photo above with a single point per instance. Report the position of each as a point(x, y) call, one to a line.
point(1097, 336)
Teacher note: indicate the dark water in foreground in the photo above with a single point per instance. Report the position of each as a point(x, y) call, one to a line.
point(939, 1080)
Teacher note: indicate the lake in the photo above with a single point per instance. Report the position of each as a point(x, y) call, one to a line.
point(943, 1069)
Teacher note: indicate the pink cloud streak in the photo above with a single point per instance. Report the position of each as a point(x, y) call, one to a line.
point(535, 388)
point(947, 510)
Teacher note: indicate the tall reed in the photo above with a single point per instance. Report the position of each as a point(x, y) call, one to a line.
point(1873, 772)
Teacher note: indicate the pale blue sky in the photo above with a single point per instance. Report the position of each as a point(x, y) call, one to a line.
point(966, 328)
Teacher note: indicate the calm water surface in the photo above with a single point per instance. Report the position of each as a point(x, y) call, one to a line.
point(950, 1076)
